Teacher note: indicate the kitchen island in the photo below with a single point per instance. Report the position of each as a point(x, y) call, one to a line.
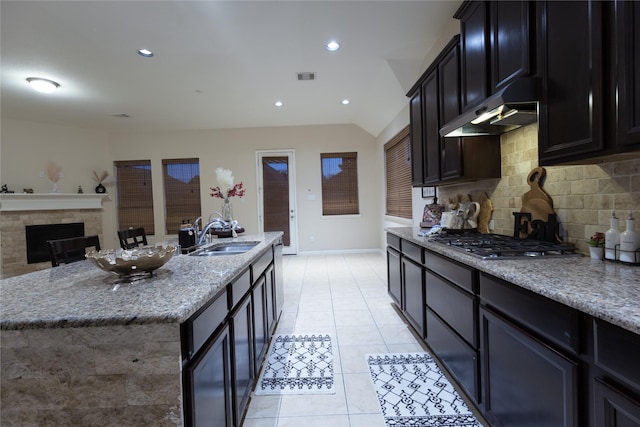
point(531, 341)
point(83, 347)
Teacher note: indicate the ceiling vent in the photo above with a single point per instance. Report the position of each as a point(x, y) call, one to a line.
point(121, 116)
point(306, 76)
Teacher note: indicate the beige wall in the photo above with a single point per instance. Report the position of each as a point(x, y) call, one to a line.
point(583, 196)
point(27, 147)
point(397, 124)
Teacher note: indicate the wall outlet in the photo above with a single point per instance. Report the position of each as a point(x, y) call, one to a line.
point(41, 174)
point(492, 225)
point(312, 238)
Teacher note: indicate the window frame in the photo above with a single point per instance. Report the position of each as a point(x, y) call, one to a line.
point(171, 195)
point(125, 195)
point(331, 194)
point(400, 142)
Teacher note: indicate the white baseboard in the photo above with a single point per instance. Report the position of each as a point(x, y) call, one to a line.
point(341, 252)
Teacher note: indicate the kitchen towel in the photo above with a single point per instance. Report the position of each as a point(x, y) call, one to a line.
point(413, 391)
point(298, 364)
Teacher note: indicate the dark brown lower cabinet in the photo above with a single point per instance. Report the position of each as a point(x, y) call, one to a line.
point(612, 407)
point(526, 382)
point(242, 356)
point(261, 332)
point(272, 304)
point(208, 384)
point(523, 359)
point(394, 277)
point(460, 359)
point(225, 342)
point(413, 293)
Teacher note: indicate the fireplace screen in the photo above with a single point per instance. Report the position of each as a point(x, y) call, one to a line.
point(37, 236)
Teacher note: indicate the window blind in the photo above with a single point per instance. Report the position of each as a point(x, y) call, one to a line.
point(397, 153)
point(339, 183)
point(135, 195)
point(275, 181)
point(181, 179)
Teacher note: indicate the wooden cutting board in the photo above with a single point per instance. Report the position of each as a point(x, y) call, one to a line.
point(484, 217)
point(536, 201)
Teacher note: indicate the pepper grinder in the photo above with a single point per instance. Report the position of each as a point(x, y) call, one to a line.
point(612, 239)
point(629, 241)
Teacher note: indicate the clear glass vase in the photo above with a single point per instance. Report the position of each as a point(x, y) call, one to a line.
point(227, 210)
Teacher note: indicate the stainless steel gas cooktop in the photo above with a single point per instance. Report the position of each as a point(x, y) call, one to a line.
point(496, 246)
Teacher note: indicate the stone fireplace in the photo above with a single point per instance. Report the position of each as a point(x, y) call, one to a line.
point(20, 210)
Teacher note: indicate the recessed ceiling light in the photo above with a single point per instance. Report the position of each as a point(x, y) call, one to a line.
point(345, 102)
point(278, 104)
point(145, 52)
point(332, 46)
point(43, 85)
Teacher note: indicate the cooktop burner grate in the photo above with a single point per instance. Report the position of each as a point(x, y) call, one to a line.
point(496, 246)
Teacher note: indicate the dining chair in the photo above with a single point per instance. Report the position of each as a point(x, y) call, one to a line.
point(65, 251)
point(132, 238)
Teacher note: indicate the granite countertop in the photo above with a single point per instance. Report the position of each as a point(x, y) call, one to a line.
point(80, 294)
point(606, 290)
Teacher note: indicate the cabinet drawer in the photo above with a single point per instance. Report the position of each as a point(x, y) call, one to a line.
point(202, 324)
point(551, 320)
point(261, 264)
point(455, 306)
point(617, 351)
point(412, 251)
point(457, 273)
point(393, 241)
point(460, 359)
point(238, 288)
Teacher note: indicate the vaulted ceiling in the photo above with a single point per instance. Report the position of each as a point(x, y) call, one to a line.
point(216, 64)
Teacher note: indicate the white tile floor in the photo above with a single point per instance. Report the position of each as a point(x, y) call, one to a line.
point(345, 296)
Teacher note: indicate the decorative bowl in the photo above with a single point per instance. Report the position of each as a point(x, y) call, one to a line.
point(129, 262)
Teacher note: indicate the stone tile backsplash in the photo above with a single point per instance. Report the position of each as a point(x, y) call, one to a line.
point(583, 196)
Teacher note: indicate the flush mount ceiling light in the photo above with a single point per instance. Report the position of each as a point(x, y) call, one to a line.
point(278, 104)
point(43, 85)
point(332, 46)
point(145, 52)
point(345, 102)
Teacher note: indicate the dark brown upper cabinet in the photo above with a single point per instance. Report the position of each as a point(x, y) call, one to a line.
point(473, 16)
point(590, 101)
point(417, 156)
point(625, 67)
point(510, 41)
point(570, 65)
point(431, 128)
point(435, 99)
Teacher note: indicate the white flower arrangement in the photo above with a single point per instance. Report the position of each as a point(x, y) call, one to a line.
point(224, 178)
point(226, 187)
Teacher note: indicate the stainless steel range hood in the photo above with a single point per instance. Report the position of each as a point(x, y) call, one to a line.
point(513, 106)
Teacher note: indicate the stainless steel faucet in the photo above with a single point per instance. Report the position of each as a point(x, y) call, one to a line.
point(218, 223)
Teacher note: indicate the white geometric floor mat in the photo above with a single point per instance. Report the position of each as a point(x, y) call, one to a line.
point(298, 364)
point(412, 391)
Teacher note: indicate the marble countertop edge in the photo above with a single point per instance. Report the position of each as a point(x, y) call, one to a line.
point(609, 291)
point(81, 295)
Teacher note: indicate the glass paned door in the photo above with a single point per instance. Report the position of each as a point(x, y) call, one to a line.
point(277, 201)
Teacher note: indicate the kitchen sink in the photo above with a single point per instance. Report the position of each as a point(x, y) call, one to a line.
point(231, 248)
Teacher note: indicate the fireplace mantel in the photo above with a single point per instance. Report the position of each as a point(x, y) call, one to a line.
point(49, 201)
